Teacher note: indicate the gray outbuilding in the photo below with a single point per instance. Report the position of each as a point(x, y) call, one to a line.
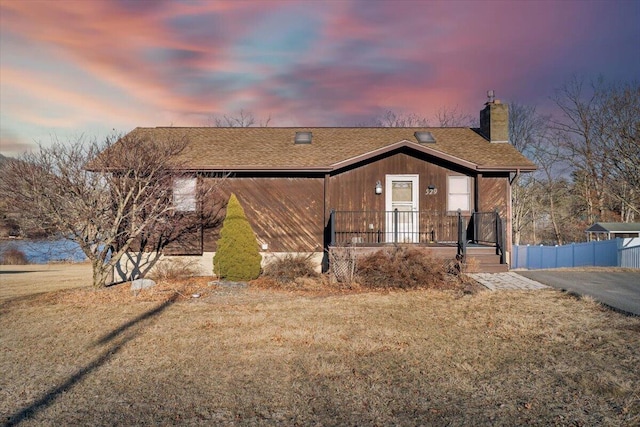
point(612, 230)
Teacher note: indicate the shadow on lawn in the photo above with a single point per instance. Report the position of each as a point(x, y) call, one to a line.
point(17, 271)
point(51, 395)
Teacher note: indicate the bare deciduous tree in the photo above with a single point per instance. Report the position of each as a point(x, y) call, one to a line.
point(581, 137)
point(600, 126)
point(554, 190)
point(620, 124)
point(528, 132)
point(243, 119)
point(455, 117)
point(392, 119)
point(109, 197)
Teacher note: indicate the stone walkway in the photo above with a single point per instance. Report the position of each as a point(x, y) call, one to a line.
point(506, 281)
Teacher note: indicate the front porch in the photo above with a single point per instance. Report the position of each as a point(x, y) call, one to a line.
point(481, 231)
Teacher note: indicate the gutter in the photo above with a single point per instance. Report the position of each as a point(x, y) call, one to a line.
point(517, 169)
point(515, 177)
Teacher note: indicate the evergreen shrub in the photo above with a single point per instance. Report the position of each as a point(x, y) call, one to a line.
point(237, 257)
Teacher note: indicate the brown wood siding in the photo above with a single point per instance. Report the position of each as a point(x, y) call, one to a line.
point(187, 244)
point(495, 193)
point(285, 213)
point(353, 189)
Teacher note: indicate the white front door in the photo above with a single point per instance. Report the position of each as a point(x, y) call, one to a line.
point(402, 209)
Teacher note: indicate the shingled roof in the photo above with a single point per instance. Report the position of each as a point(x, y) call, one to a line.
point(270, 148)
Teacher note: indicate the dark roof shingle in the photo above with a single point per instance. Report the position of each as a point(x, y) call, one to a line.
point(212, 148)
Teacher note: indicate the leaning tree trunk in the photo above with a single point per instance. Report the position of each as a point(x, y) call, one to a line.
point(554, 221)
point(102, 273)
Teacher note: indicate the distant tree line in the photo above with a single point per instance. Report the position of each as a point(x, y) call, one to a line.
point(588, 159)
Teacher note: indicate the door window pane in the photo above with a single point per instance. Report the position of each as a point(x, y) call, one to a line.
point(402, 191)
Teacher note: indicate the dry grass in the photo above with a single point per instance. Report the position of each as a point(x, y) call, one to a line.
point(23, 280)
point(250, 356)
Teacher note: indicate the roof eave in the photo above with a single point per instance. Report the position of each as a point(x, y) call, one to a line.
point(256, 169)
point(508, 168)
point(403, 144)
point(223, 169)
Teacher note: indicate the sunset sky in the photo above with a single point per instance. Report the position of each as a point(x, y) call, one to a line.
point(72, 67)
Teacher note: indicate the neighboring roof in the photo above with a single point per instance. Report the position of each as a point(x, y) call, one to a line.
point(614, 227)
point(271, 148)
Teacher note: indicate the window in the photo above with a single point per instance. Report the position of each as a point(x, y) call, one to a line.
point(303, 138)
point(184, 194)
point(459, 193)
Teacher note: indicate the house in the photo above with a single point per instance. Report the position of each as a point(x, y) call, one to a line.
point(311, 189)
point(612, 230)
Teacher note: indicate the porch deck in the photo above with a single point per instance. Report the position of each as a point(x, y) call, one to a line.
point(445, 234)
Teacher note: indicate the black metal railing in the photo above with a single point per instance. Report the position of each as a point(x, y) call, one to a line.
point(378, 227)
point(366, 228)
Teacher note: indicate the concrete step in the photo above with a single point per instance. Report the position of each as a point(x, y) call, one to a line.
point(493, 268)
point(485, 260)
point(480, 250)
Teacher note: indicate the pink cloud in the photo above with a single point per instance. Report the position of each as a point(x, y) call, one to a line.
point(111, 44)
point(156, 63)
point(84, 106)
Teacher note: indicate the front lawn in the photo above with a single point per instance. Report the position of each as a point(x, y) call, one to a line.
point(248, 356)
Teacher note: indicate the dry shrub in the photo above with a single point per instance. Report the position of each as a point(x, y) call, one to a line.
point(343, 265)
point(288, 268)
point(13, 256)
point(175, 268)
point(402, 268)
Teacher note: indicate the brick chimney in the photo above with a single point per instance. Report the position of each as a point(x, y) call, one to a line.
point(494, 120)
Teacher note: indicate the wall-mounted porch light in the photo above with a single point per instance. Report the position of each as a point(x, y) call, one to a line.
point(378, 187)
point(431, 189)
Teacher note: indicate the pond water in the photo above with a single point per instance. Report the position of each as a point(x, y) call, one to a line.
point(45, 251)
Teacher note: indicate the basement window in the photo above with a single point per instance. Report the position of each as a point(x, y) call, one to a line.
point(303, 138)
point(184, 194)
point(425, 137)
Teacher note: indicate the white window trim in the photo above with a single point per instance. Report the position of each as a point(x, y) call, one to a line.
point(410, 233)
point(415, 184)
point(450, 206)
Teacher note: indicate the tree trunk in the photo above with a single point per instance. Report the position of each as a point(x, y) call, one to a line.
point(554, 221)
point(101, 273)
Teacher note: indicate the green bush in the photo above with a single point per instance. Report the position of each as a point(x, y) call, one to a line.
point(237, 257)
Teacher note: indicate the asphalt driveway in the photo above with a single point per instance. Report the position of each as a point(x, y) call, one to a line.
point(618, 289)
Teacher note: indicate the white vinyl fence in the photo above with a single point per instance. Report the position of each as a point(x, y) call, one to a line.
point(629, 253)
point(606, 253)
